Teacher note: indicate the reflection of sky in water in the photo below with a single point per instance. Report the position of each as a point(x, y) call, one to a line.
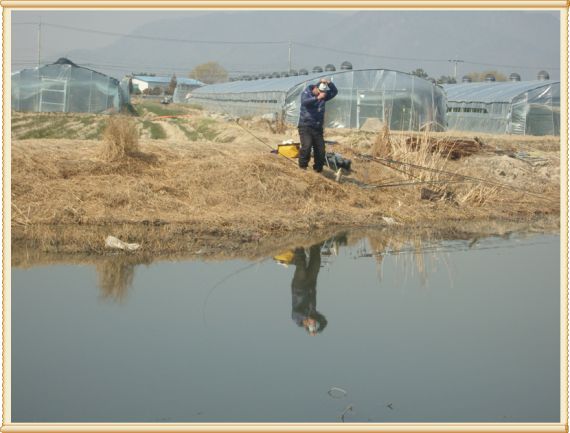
point(470, 334)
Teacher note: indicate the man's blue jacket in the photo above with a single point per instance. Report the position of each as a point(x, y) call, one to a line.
point(312, 110)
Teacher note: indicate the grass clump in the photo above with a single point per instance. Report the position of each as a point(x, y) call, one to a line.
point(121, 138)
point(161, 110)
point(203, 127)
point(157, 132)
point(199, 130)
point(192, 135)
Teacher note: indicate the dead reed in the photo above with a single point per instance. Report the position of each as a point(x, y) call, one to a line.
point(120, 138)
point(383, 146)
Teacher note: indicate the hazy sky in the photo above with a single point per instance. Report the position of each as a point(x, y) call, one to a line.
point(57, 41)
point(61, 35)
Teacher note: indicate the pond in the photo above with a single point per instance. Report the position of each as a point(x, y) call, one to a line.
point(367, 331)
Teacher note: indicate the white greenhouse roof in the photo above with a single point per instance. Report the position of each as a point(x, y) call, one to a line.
point(275, 84)
point(166, 80)
point(489, 92)
point(63, 63)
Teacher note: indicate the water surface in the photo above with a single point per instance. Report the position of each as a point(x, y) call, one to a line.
point(466, 331)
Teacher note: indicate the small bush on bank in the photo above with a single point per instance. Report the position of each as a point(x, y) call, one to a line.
point(121, 138)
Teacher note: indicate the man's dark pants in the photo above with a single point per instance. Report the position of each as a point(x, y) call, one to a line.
point(312, 138)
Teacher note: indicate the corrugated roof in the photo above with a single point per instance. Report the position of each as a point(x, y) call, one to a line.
point(489, 92)
point(265, 85)
point(276, 84)
point(166, 80)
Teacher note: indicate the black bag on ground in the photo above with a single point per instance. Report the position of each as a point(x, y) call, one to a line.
point(336, 161)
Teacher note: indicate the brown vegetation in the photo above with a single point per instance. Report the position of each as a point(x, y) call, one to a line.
point(222, 185)
point(120, 138)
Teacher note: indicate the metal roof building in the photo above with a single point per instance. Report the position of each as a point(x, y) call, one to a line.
point(66, 87)
point(405, 101)
point(154, 80)
point(515, 107)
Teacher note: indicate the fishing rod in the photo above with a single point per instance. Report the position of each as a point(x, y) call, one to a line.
point(421, 182)
point(388, 162)
point(251, 133)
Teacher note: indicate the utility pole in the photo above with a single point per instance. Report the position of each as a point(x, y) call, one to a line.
point(456, 61)
point(39, 41)
point(289, 56)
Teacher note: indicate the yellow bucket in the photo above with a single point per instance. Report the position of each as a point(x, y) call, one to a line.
point(285, 257)
point(288, 150)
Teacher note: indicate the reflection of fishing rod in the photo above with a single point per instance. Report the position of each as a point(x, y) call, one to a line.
point(222, 281)
point(436, 249)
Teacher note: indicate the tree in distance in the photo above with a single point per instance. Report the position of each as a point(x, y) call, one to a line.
point(171, 85)
point(420, 73)
point(209, 73)
point(446, 79)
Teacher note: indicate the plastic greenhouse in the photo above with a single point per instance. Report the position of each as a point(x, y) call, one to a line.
point(184, 86)
point(405, 101)
point(65, 87)
point(523, 108)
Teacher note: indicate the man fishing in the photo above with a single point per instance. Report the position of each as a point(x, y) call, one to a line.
point(311, 120)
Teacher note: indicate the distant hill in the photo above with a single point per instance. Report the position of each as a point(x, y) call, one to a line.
point(401, 40)
point(502, 38)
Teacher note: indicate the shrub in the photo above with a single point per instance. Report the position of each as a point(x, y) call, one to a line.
point(121, 138)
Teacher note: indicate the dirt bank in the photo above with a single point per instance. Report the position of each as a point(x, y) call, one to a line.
point(210, 180)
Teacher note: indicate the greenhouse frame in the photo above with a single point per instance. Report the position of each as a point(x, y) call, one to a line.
point(518, 107)
point(404, 101)
point(184, 86)
point(66, 87)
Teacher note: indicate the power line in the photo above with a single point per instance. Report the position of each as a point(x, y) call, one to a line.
point(416, 59)
point(356, 53)
point(511, 66)
point(158, 38)
point(289, 43)
point(166, 69)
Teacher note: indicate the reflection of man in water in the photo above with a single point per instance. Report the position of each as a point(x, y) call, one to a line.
point(304, 290)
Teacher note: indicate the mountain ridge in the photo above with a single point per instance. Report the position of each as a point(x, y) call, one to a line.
point(399, 40)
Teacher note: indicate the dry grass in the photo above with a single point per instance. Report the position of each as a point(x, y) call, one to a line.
point(426, 159)
point(120, 138)
point(383, 146)
point(66, 198)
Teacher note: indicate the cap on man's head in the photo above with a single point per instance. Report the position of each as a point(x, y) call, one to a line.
point(323, 87)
